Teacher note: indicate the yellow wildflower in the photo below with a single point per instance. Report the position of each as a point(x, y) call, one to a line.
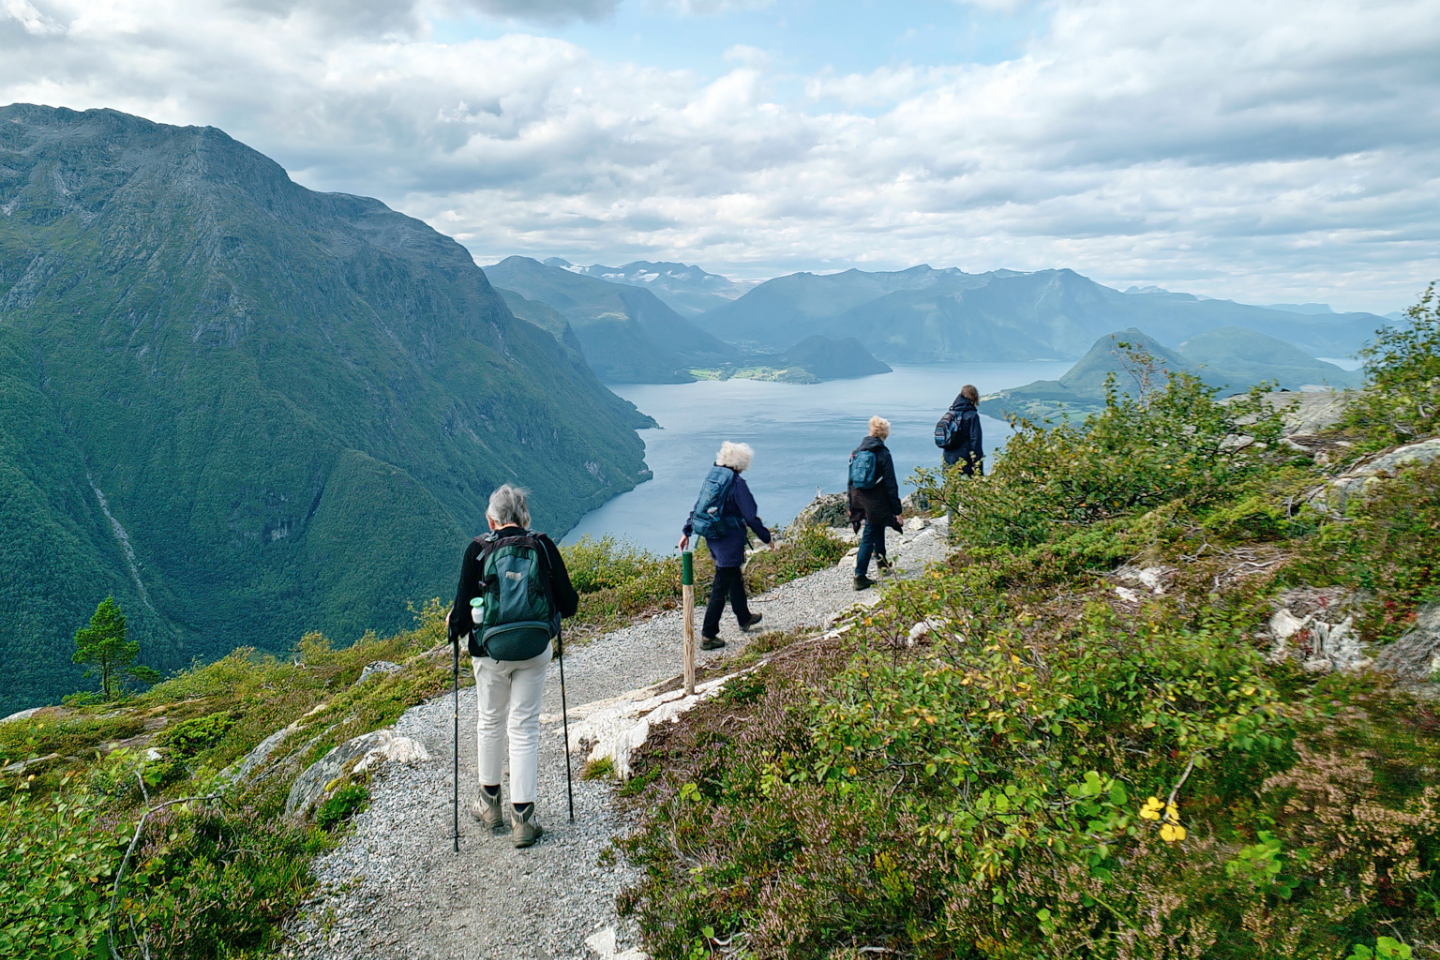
point(1171, 832)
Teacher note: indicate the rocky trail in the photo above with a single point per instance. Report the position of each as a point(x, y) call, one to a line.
point(395, 887)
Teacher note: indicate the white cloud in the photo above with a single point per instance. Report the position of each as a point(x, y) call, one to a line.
point(31, 19)
point(1273, 152)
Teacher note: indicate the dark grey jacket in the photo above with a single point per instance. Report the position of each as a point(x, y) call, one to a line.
point(969, 441)
point(881, 503)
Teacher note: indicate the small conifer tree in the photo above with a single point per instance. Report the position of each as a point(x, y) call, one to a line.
point(104, 645)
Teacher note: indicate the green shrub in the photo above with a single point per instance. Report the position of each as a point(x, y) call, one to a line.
point(981, 798)
point(604, 563)
point(341, 805)
point(57, 856)
point(23, 738)
point(190, 737)
point(1173, 444)
point(1401, 401)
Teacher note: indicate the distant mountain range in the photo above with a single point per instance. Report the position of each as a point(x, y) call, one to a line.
point(922, 314)
point(628, 334)
point(247, 409)
point(1230, 358)
point(686, 289)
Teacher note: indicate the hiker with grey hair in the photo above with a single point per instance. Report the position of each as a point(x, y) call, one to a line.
point(721, 515)
point(874, 496)
point(513, 590)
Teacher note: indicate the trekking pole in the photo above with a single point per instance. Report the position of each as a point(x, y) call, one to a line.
point(456, 644)
point(687, 593)
point(565, 721)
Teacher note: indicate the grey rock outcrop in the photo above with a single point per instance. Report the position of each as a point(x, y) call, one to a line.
point(826, 510)
point(1333, 496)
point(378, 668)
point(1416, 655)
point(352, 756)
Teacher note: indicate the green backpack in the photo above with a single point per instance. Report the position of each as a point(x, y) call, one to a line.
point(519, 616)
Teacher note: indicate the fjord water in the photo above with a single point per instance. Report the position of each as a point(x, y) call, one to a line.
point(802, 435)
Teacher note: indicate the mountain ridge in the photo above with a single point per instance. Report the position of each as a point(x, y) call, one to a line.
point(293, 403)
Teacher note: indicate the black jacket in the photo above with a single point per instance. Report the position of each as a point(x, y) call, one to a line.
point(469, 587)
point(881, 503)
point(969, 441)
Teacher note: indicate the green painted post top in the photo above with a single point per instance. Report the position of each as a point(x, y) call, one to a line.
point(687, 569)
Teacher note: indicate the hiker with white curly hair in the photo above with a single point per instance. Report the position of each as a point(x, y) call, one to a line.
point(722, 513)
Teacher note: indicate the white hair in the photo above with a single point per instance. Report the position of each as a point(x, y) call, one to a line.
point(736, 456)
point(879, 428)
point(508, 508)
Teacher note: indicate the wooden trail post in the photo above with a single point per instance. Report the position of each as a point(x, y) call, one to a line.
point(687, 593)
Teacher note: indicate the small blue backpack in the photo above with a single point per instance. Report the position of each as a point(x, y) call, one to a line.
point(708, 519)
point(864, 470)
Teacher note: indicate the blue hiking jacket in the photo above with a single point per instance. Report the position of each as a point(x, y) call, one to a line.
point(729, 549)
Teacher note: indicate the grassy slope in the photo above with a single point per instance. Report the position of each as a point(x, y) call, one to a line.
point(239, 868)
point(986, 792)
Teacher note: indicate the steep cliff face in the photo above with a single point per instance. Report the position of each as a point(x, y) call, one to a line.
point(293, 404)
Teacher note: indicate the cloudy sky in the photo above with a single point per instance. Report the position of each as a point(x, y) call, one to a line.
point(1264, 150)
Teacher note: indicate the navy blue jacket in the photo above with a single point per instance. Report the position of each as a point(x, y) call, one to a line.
point(969, 445)
point(729, 548)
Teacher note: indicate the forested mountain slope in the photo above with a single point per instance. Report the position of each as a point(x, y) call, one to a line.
point(247, 409)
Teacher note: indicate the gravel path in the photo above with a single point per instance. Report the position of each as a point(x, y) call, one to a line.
point(395, 887)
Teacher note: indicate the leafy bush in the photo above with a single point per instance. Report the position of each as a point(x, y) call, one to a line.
point(983, 796)
point(1178, 443)
point(193, 736)
point(605, 563)
point(1401, 401)
point(341, 805)
point(57, 856)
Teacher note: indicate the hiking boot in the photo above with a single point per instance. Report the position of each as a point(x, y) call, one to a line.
point(711, 643)
point(882, 564)
point(863, 582)
point(525, 829)
point(754, 619)
point(486, 809)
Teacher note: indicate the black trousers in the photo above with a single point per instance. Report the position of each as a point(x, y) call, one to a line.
point(729, 581)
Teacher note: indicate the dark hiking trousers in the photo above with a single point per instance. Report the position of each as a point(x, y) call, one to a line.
point(872, 541)
point(729, 581)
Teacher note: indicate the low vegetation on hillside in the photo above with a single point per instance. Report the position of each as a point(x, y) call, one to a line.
point(1082, 736)
point(135, 820)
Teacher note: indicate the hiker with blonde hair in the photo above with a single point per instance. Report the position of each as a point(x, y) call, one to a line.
point(722, 513)
point(874, 495)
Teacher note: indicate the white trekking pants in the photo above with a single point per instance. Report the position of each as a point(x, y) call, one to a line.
point(516, 685)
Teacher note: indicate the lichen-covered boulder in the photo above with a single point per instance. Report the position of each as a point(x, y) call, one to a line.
point(1357, 481)
point(352, 756)
point(826, 510)
point(378, 668)
point(1416, 655)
